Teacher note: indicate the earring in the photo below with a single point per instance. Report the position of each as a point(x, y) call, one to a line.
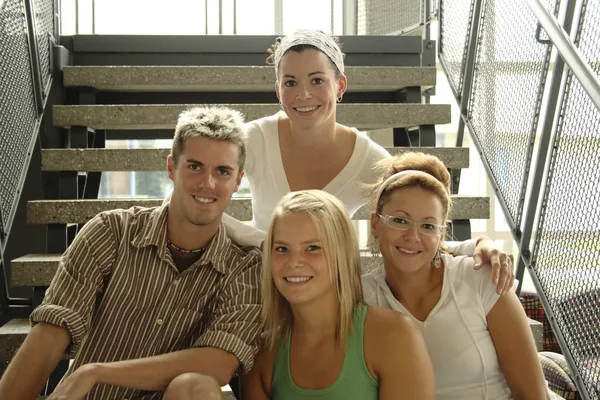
point(375, 251)
point(437, 260)
point(375, 259)
point(339, 99)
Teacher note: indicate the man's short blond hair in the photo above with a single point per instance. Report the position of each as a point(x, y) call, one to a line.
point(216, 123)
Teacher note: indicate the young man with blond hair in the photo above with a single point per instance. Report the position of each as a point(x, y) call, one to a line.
point(146, 298)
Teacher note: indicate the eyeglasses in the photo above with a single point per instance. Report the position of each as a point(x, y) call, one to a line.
point(404, 224)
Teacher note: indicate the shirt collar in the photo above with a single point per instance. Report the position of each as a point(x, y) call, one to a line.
point(154, 233)
point(218, 251)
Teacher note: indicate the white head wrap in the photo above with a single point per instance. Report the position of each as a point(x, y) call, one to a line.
point(397, 176)
point(318, 39)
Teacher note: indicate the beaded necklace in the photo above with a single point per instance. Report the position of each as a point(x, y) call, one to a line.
point(179, 249)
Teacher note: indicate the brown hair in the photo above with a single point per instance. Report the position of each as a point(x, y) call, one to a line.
point(299, 49)
point(438, 183)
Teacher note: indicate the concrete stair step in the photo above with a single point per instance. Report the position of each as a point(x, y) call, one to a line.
point(39, 269)
point(155, 159)
point(12, 334)
point(80, 211)
point(33, 270)
point(164, 116)
point(231, 78)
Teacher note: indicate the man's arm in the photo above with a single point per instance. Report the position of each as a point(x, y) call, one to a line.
point(230, 340)
point(34, 362)
point(236, 324)
point(62, 320)
point(151, 373)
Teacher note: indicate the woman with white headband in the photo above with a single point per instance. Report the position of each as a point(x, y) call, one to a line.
point(303, 147)
point(479, 342)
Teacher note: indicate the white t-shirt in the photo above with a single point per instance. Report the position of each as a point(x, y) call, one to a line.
point(459, 344)
point(268, 182)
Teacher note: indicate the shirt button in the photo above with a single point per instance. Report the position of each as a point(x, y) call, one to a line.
point(176, 282)
point(159, 321)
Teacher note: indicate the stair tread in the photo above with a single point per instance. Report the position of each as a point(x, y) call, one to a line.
point(12, 334)
point(155, 159)
point(232, 78)
point(39, 269)
point(81, 211)
point(164, 116)
point(17, 326)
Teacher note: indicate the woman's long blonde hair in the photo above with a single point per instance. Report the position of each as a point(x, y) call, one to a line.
point(340, 246)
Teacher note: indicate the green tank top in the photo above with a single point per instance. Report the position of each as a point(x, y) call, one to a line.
point(354, 382)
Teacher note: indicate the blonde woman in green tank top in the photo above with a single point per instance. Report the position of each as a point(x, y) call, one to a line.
point(321, 341)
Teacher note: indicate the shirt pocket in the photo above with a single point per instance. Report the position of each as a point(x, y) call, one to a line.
point(197, 293)
point(182, 328)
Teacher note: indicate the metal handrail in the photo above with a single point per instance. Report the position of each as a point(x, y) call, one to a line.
point(567, 50)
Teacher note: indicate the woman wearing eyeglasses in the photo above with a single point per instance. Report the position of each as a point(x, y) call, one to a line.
point(479, 342)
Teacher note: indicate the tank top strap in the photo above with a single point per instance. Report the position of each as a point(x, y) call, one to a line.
point(356, 352)
point(282, 360)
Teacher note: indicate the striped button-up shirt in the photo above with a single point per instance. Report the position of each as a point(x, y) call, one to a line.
point(120, 295)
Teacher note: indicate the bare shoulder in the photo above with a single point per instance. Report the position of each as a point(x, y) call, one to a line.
point(386, 323)
point(263, 362)
point(388, 332)
point(262, 371)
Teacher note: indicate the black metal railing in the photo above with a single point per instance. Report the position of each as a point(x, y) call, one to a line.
point(381, 17)
point(528, 89)
point(27, 29)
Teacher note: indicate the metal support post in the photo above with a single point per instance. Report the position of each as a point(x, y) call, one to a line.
point(36, 71)
point(553, 104)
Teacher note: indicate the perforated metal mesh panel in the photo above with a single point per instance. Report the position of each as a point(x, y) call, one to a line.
point(383, 17)
point(17, 110)
point(44, 25)
point(566, 257)
point(455, 24)
point(509, 71)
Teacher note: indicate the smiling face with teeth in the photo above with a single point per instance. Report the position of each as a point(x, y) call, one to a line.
point(409, 251)
point(308, 88)
point(204, 179)
point(299, 266)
